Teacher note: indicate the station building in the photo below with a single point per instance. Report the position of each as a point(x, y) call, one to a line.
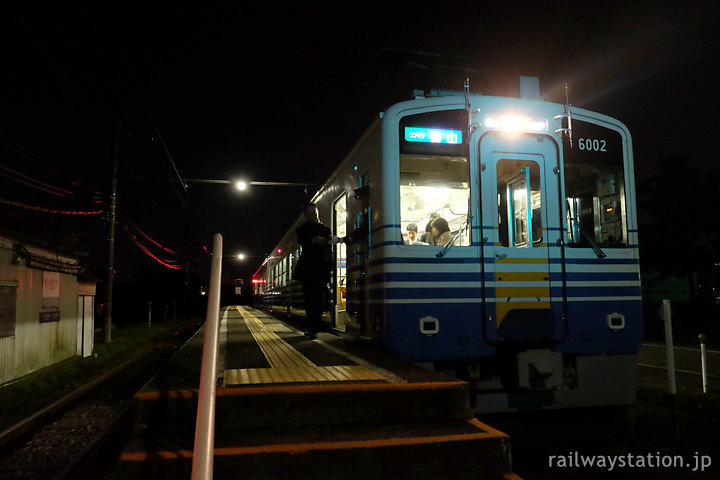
point(46, 314)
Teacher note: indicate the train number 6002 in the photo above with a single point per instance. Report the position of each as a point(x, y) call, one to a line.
point(592, 144)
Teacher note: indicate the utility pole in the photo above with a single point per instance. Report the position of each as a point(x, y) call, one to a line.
point(107, 330)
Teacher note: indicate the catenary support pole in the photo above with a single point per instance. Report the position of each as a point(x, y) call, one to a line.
point(110, 272)
point(202, 465)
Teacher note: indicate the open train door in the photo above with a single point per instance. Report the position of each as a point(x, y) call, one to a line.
point(339, 284)
point(518, 177)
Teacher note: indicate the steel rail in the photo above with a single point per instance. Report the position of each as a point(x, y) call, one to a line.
point(23, 426)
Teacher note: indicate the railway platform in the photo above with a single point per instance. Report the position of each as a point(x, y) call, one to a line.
point(291, 407)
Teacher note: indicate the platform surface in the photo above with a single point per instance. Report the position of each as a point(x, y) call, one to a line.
point(317, 408)
point(256, 349)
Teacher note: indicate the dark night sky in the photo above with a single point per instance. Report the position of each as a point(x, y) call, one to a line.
point(274, 93)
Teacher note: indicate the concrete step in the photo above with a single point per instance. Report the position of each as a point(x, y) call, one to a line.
point(277, 406)
point(428, 450)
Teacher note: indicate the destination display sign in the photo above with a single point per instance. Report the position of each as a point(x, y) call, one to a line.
point(433, 135)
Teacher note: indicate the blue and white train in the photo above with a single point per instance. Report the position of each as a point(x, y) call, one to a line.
point(535, 300)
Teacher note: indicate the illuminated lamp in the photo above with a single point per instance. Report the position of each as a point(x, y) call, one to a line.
point(241, 185)
point(537, 124)
point(516, 123)
point(512, 123)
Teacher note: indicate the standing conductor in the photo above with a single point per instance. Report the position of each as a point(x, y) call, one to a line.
point(313, 268)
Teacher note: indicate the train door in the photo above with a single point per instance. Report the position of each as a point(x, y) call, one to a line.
point(518, 175)
point(340, 314)
point(359, 273)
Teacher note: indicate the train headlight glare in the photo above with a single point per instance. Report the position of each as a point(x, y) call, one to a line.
point(537, 124)
point(493, 121)
point(511, 123)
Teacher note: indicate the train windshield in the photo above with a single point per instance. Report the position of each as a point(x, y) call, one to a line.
point(595, 187)
point(519, 203)
point(434, 179)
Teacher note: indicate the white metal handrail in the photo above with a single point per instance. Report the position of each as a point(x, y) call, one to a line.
point(203, 450)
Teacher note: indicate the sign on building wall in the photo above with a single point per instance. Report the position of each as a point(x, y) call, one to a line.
point(50, 297)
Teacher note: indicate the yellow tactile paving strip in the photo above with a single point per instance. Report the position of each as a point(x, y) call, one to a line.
point(287, 365)
point(277, 351)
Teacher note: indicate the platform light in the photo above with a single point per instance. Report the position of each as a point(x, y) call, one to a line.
point(516, 123)
point(241, 256)
point(241, 185)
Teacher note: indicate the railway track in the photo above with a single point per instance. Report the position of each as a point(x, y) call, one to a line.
point(72, 437)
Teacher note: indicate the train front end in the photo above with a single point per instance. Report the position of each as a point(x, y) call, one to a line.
point(529, 285)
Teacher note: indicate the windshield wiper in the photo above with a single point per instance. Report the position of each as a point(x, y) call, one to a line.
point(596, 248)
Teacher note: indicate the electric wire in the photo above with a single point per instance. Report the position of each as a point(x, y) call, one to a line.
point(133, 76)
point(48, 210)
point(27, 180)
point(172, 264)
point(138, 229)
point(40, 45)
point(29, 155)
point(118, 62)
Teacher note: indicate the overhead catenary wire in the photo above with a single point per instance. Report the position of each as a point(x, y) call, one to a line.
point(27, 154)
point(31, 182)
point(131, 71)
point(115, 61)
point(169, 263)
point(37, 208)
point(139, 230)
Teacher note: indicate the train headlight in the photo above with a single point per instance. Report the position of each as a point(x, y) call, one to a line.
point(516, 123)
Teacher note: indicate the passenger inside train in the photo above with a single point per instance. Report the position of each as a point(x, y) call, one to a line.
point(411, 237)
point(440, 231)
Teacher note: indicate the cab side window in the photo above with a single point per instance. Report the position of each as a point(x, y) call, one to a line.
point(434, 176)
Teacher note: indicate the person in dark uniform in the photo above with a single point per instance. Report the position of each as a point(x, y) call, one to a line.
point(314, 265)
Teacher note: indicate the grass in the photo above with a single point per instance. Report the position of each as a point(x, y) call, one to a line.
point(33, 392)
point(685, 422)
